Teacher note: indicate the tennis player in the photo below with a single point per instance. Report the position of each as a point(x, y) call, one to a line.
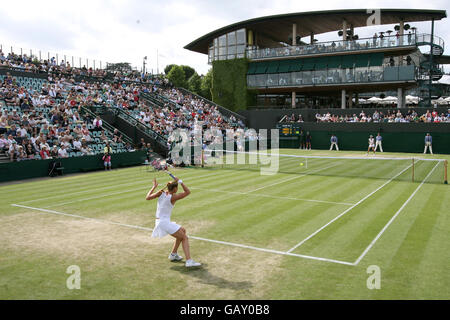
point(163, 225)
point(371, 145)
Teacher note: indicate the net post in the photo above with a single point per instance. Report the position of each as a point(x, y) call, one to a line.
point(445, 171)
point(413, 169)
point(203, 158)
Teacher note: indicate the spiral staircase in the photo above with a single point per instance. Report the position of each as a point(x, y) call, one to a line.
point(430, 68)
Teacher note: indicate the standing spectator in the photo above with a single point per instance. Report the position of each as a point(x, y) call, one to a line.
point(302, 140)
point(334, 142)
point(107, 156)
point(428, 143)
point(378, 139)
point(308, 141)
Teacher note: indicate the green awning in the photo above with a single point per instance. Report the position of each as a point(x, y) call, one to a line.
point(272, 67)
point(296, 65)
point(284, 65)
point(376, 59)
point(321, 63)
point(308, 64)
point(347, 61)
point(334, 62)
point(261, 67)
point(362, 61)
point(251, 68)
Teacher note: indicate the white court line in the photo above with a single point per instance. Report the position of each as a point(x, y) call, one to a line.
point(106, 188)
point(343, 213)
point(393, 218)
point(193, 237)
point(292, 178)
point(270, 196)
point(115, 193)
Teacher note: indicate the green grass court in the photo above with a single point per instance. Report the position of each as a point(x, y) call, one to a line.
point(307, 232)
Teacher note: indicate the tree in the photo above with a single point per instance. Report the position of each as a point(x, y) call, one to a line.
point(188, 72)
point(168, 68)
point(177, 77)
point(194, 83)
point(206, 85)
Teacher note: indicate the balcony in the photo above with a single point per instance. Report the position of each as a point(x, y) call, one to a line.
point(330, 77)
point(331, 47)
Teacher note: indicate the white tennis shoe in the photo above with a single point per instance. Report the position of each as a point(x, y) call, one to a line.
point(191, 263)
point(175, 257)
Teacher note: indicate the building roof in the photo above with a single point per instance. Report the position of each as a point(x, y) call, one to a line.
point(279, 27)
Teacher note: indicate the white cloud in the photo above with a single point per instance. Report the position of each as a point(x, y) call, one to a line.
point(117, 30)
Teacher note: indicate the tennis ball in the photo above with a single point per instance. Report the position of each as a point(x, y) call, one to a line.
point(301, 163)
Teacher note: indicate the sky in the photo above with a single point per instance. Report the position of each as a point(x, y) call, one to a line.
point(127, 31)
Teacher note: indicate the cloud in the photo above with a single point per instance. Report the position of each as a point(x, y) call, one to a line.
point(109, 31)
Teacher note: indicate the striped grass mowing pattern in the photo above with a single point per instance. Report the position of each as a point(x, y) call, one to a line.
point(238, 206)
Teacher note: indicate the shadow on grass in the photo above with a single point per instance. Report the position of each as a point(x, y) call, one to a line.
point(206, 277)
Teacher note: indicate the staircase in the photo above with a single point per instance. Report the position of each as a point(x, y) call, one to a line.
point(429, 68)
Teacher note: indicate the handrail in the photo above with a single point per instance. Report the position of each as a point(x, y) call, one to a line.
point(108, 126)
point(333, 77)
point(333, 46)
point(134, 122)
point(222, 109)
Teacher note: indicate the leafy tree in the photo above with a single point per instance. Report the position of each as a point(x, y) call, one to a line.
point(188, 72)
point(168, 68)
point(177, 77)
point(206, 85)
point(194, 83)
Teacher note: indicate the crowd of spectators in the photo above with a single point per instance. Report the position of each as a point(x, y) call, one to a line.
point(26, 63)
point(47, 123)
point(184, 111)
point(388, 116)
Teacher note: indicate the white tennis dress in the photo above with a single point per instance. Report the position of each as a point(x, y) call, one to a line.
point(163, 225)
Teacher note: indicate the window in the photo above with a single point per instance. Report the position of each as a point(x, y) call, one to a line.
point(240, 36)
point(231, 38)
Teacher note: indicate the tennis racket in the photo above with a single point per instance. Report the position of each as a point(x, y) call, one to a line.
point(171, 175)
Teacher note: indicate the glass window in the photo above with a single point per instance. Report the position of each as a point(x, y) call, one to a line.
point(222, 51)
point(240, 36)
point(216, 42)
point(240, 49)
point(223, 41)
point(231, 38)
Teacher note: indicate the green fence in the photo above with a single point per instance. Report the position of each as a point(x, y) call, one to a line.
point(40, 168)
point(411, 142)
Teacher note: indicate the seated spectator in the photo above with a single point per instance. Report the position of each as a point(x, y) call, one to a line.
point(62, 152)
point(54, 152)
point(77, 144)
point(13, 151)
point(44, 153)
point(98, 124)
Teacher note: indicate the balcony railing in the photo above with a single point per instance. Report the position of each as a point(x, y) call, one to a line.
point(334, 47)
point(333, 77)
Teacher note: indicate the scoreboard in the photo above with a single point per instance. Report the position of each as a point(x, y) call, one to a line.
point(288, 129)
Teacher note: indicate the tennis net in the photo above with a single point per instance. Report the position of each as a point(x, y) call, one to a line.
point(365, 167)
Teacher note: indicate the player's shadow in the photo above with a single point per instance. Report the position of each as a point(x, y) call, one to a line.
point(208, 278)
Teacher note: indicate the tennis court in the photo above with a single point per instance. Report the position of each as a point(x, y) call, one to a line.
point(308, 231)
